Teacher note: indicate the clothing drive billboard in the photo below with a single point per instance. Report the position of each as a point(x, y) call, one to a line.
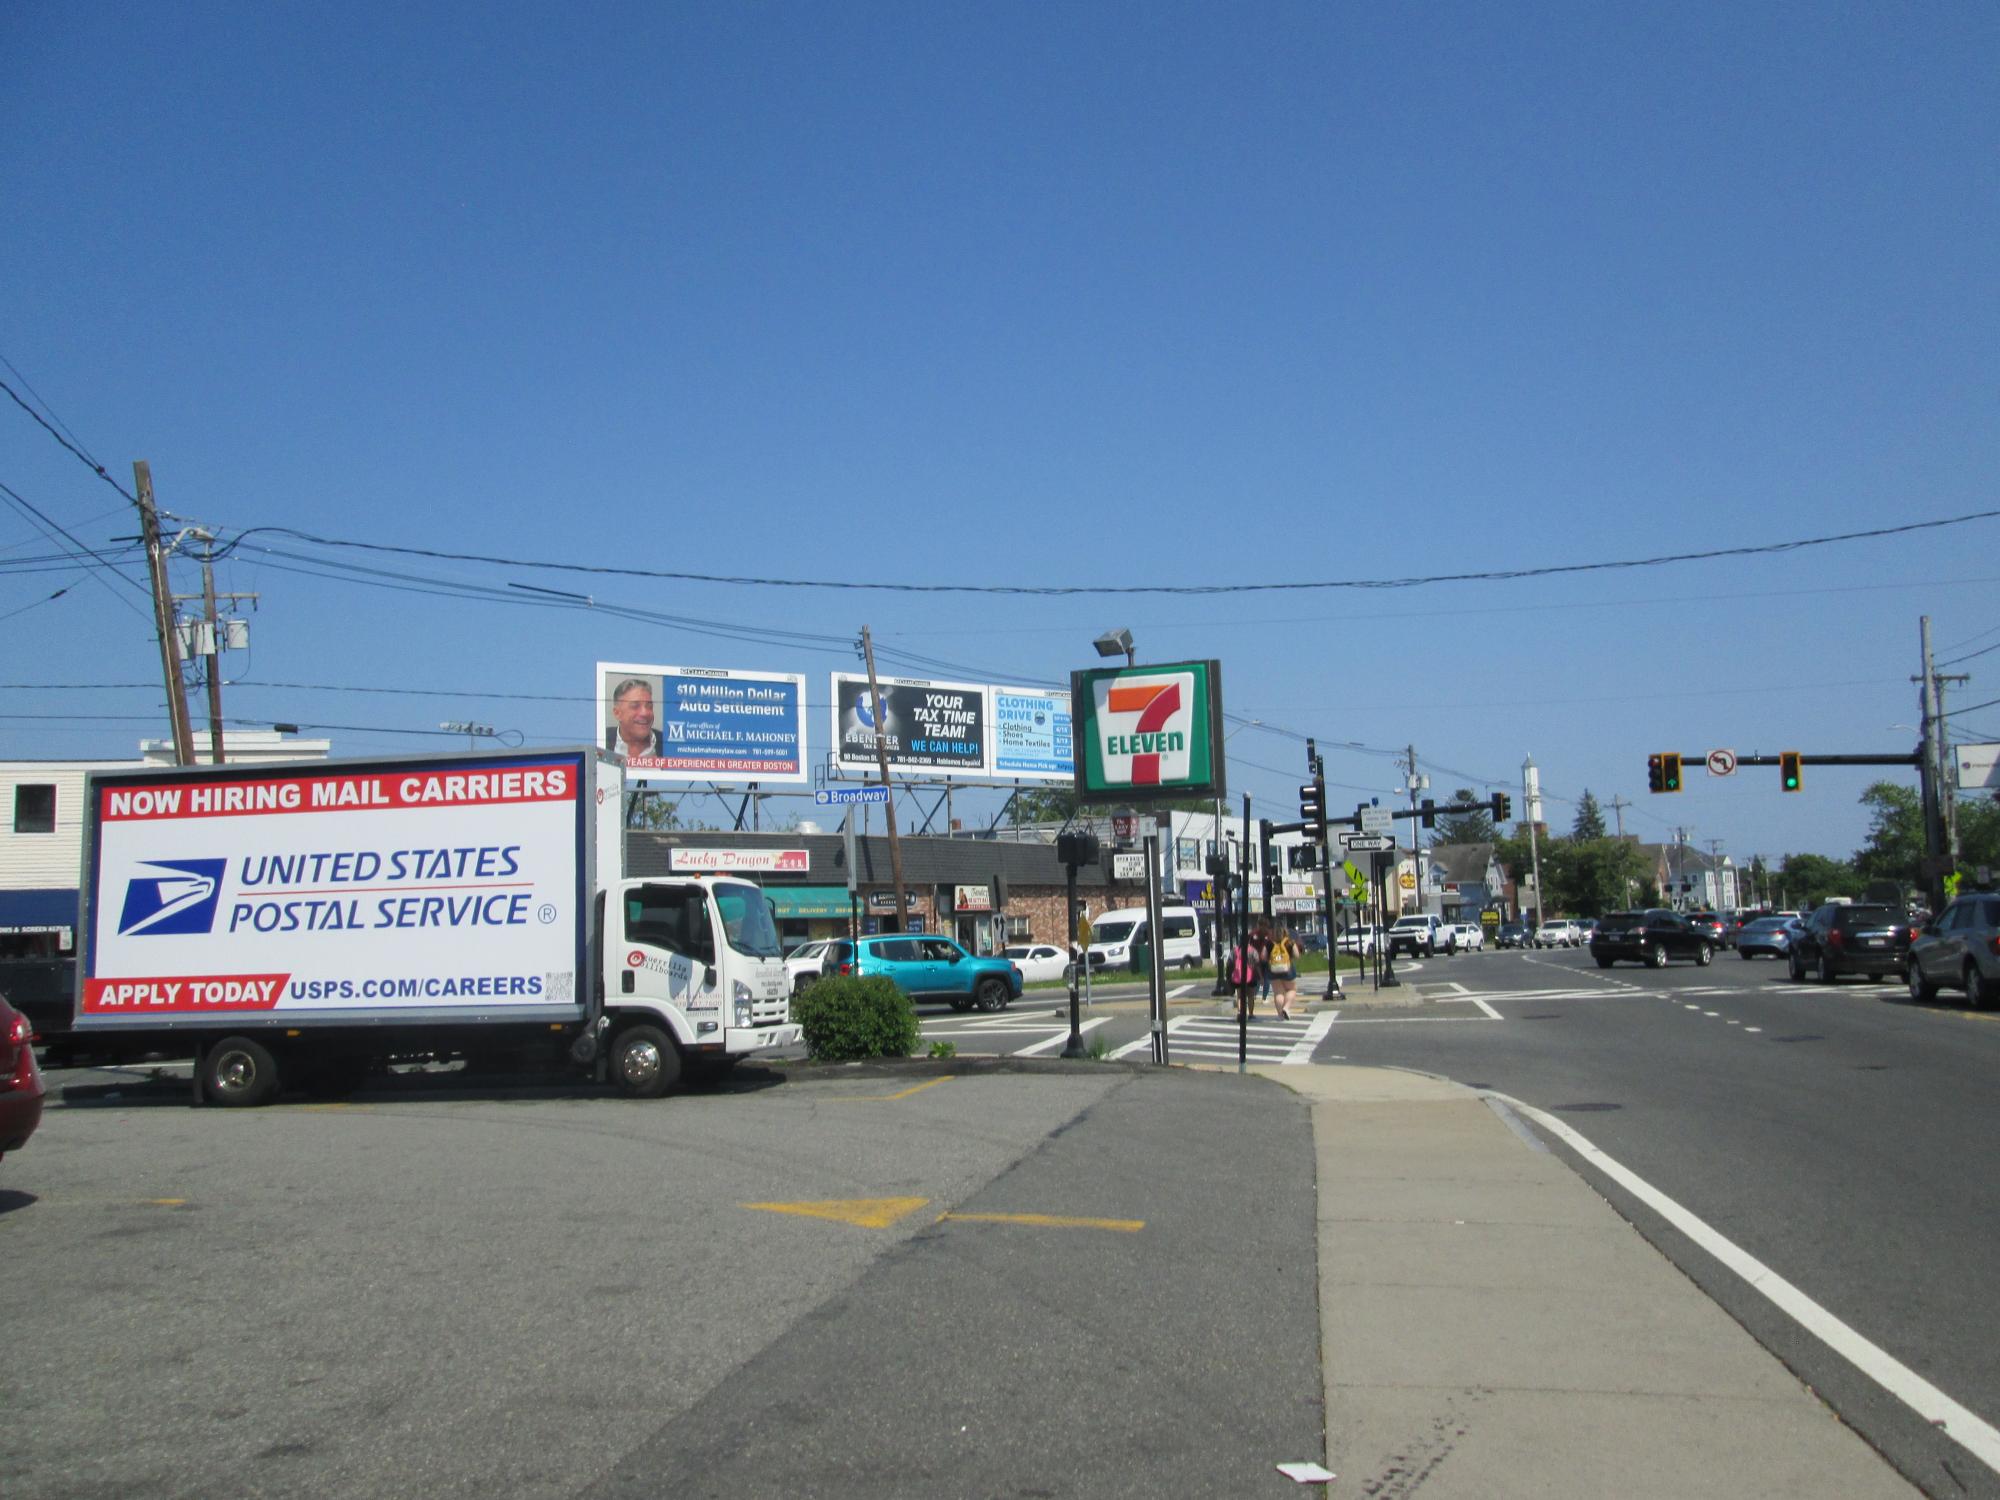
point(945, 729)
point(703, 723)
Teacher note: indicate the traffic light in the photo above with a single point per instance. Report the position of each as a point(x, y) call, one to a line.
point(1312, 807)
point(1303, 856)
point(1663, 771)
point(1503, 807)
point(1788, 770)
point(1427, 811)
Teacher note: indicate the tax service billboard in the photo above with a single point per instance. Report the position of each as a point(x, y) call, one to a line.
point(703, 723)
point(943, 729)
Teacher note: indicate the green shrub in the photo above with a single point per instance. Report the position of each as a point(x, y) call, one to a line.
point(847, 1019)
point(944, 1050)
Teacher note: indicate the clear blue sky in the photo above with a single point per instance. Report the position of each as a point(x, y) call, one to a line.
point(1079, 295)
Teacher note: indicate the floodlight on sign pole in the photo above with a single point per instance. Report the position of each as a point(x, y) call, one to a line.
point(1117, 643)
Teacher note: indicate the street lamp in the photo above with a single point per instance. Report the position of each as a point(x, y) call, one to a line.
point(1117, 643)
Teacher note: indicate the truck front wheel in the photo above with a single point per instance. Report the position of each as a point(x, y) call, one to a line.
point(238, 1073)
point(644, 1062)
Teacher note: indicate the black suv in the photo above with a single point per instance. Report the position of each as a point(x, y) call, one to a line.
point(1650, 937)
point(1851, 939)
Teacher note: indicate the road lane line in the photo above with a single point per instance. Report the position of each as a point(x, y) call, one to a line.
point(1964, 1427)
point(1476, 1000)
point(887, 1098)
point(1048, 1221)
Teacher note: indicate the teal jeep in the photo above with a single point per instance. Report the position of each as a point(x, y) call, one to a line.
point(928, 968)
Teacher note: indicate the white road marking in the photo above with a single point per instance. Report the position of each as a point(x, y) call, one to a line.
point(1753, 1028)
point(1061, 1038)
point(1708, 1012)
point(1964, 1427)
point(1476, 1000)
point(1316, 1030)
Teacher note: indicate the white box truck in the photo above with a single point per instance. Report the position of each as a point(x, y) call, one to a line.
point(302, 924)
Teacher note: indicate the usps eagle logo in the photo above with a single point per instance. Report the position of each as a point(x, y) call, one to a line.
point(1147, 728)
point(181, 899)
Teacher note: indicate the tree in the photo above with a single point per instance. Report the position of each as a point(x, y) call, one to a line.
point(1895, 846)
point(1051, 804)
point(1805, 880)
point(1468, 821)
point(1589, 818)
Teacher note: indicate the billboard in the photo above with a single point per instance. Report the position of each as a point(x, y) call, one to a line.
point(930, 727)
point(1149, 733)
point(1031, 734)
point(945, 729)
point(703, 723)
point(422, 886)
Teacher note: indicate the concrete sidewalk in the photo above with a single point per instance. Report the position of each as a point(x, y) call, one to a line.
point(1492, 1327)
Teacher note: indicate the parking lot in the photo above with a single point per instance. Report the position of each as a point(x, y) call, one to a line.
point(866, 1279)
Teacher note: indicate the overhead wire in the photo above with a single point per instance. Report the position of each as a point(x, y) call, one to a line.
point(1548, 570)
point(81, 457)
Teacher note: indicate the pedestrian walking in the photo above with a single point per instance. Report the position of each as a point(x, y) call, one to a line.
point(1284, 973)
point(1260, 945)
point(1243, 977)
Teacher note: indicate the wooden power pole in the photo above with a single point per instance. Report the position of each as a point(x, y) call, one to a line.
point(882, 762)
point(163, 615)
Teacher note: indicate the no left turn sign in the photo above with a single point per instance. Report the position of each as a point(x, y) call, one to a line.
point(1722, 762)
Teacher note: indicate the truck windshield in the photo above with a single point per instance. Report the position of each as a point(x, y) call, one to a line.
point(746, 920)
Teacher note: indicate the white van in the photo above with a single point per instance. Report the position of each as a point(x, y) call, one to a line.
point(1113, 934)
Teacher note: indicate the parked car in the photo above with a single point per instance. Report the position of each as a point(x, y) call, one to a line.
point(1514, 935)
point(1038, 962)
point(1361, 941)
point(928, 968)
point(1850, 938)
point(1652, 937)
point(1767, 935)
point(802, 964)
point(1959, 951)
point(1585, 926)
point(21, 1086)
point(1470, 937)
point(1422, 934)
point(1558, 932)
point(1712, 924)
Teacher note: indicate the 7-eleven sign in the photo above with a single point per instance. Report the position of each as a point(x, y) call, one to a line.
point(1148, 732)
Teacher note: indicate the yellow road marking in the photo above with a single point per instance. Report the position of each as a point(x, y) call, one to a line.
point(863, 1213)
point(1050, 1221)
point(888, 1098)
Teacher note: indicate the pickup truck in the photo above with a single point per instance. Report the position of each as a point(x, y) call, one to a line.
point(1425, 935)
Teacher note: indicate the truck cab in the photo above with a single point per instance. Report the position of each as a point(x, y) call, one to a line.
point(694, 980)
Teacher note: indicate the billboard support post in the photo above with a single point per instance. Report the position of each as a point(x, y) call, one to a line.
point(889, 807)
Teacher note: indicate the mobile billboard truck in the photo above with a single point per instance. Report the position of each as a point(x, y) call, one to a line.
point(303, 924)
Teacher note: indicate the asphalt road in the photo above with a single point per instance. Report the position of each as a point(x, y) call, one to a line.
point(1839, 1135)
point(841, 1282)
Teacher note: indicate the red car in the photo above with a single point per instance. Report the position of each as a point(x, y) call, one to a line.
point(20, 1081)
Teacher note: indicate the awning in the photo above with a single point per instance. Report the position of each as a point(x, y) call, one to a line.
point(798, 903)
point(37, 911)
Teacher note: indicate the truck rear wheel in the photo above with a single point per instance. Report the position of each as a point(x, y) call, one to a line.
point(644, 1062)
point(238, 1073)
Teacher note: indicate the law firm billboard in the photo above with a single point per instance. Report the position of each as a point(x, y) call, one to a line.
point(1148, 734)
point(703, 723)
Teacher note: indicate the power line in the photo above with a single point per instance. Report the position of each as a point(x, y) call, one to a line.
point(81, 457)
point(98, 565)
point(1060, 590)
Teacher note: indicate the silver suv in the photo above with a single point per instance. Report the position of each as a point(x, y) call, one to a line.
point(1959, 951)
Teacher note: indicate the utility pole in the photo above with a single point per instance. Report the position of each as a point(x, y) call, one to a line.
point(1531, 804)
point(163, 615)
point(1939, 836)
point(211, 646)
point(1715, 864)
point(882, 762)
point(1416, 784)
point(1618, 806)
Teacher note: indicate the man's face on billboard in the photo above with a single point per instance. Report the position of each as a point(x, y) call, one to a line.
point(633, 711)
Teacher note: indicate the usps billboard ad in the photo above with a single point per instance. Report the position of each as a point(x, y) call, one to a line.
point(703, 723)
point(416, 886)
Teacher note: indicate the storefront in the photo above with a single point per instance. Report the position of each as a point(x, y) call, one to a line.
point(806, 912)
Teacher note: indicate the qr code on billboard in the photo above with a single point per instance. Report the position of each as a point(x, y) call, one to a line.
point(559, 986)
